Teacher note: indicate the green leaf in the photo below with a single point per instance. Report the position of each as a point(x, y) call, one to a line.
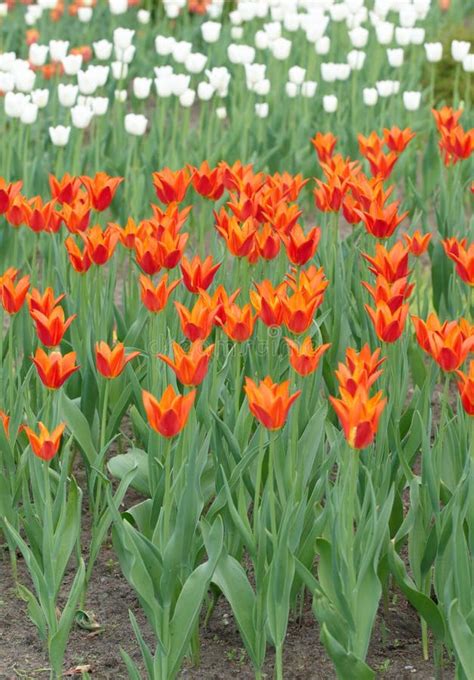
point(463, 639)
point(79, 427)
point(348, 666)
point(137, 459)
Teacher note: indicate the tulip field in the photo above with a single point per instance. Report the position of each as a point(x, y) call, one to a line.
point(237, 339)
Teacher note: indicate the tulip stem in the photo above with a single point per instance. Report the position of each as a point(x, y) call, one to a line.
point(167, 491)
point(258, 479)
point(271, 486)
point(10, 362)
point(105, 406)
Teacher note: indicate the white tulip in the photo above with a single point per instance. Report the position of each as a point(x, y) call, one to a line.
point(434, 52)
point(417, 36)
point(359, 36)
point(120, 96)
point(142, 87)
point(210, 31)
point(195, 62)
point(40, 98)
point(7, 82)
point(58, 49)
point(315, 31)
point(273, 30)
point(328, 72)
point(291, 90)
point(119, 70)
point(164, 87)
point(135, 124)
point(395, 57)
point(99, 105)
point(101, 73)
point(468, 63)
point(171, 9)
point(164, 45)
point(84, 14)
point(71, 64)
point(117, 7)
point(221, 112)
point(143, 16)
point(384, 32)
point(330, 103)
point(370, 96)
point(81, 116)
point(296, 74)
point(354, 5)
point(125, 56)
point(205, 91)
point(59, 135)
point(281, 48)
point(247, 10)
point(187, 98)
point(181, 51)
point(29, 113)
point(262, 88)
point(179, 84)
point(323, 45)
point(356, 59)
point(87, 82)
point(402, 36)
point(235, 17)
point(408, 16)
point(262, 41)
point(261, 110)
point(67, 94)
point(385, 88)
point(7, 59)
point(3, 9)
point(37, 54)
point(460, 49)
point(236, 32)
point(219, 77)
point(102, 49)
point(411, 100)
point(25, 80)
point(14, 103)
point(163, 71)
point(343, 71)
point(291, 21)
point(308, 89)
point(338, 12)
point(254, 73)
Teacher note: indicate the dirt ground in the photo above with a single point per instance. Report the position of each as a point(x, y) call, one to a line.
point(222, 654)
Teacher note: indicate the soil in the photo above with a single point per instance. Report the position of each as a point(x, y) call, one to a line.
point(395, 651)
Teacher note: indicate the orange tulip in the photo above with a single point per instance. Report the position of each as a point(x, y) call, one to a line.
point(169, 415)
point(457, 144)
point(329, 197)
point(170, 248)
point(397, 140)
point(155, 298)
point(128, 233)
point(298, 311)
point(393, 294)
point(64, 190)
point(305, 358)
point(446, 118)
point(418, 243)
point(43, 302)
point(46, 444)
point(381, 221)
point(171, 186)
point(191, 367)
point(270, 402)
point(448, 344)
point(267, 302)
point(370, 144)
point(8, 193)
point(324, 145)
point(101, 189)
point(368, 191)
point(311, 282)
point(81, 262)
point(77, 216)
point(466, 389)
point(359, 415)
point(361, 368)
point(267, 243)
point(197, 323)
point(51, 329)
point(219, 300)
point(301, 247)
point(239, 237)
point(283, 217)
point(208, 182)
point(100, 243)
point(148, 254)
point(111, 361)
point(391, 264)
point(382, 164)
point(39, 216)
point(54, 369)
point(13, 293)
point(239, 322)
point(291, 185)
point(171, 218)
point(388, 324)
point(462, 256)
point(5, 422)
point(198, 274)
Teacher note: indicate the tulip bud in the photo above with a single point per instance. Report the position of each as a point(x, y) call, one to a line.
point(323, 45)
point(102, 49)
point(81, 116)
point(186, 99)
point(181, 51)
point(308, 89)
point(58, 49)
point(291, 90)
point(281, 48)
point(262, 88)
point(296, 75)
point(119, 70)
point(143, 16)
point(29, 113)
point(59, 135)
point(468, 63)
point(67, 94)
point(370, 96)
point(261, 110)
point(84, 14)
point(195, 62)
point(221, 112)
point(384, 32)
point(356, 59)
point(211, 31)
point(120, 96)
point(205, 91)
point(164, 46)
point(40, 98)
point(460, 49)
point(359, 36)
point(37, 54)
point(87, 82)
point(395, 57)
point(262, 40)
point(99, 105)
point(117, 7)
point(72, 64)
